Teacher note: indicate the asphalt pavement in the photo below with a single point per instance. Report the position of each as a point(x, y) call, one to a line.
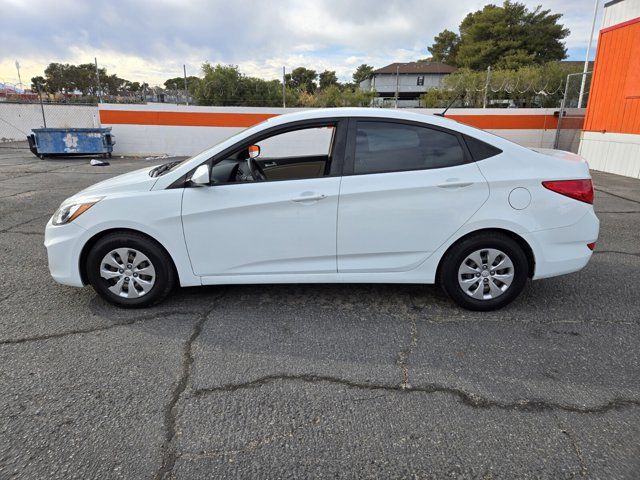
point(313, 381)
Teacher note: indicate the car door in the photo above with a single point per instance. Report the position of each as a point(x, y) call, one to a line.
point(407, 188)
point(271, 227)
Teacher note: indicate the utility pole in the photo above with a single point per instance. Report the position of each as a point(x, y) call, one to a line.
point(586, 59)
point(284, 90)
point(397, 83)
point(486, 87)
point(19, 79)
point(98, 80)
point(186, 91)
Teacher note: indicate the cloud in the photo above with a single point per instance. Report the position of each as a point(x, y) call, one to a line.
point(150, 40)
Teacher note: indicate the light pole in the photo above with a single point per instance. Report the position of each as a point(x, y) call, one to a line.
point(19, 79)
point(586, 59)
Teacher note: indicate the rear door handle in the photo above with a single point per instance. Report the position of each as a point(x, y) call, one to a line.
point(309, 198)
point(270, 164)
point(454, 184)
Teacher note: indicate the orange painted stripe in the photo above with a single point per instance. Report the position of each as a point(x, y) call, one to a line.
point(508, 122)
point(187, 119)
point(238, 120)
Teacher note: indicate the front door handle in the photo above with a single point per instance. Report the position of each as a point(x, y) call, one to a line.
point(270, 164)
point(309, 198)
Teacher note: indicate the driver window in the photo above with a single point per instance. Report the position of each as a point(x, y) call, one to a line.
point(291, 155)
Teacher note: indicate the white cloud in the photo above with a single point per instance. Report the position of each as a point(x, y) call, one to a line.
point(150, 40)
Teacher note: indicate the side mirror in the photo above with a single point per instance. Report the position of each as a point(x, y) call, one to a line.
point(254, 151)
point(201, 176)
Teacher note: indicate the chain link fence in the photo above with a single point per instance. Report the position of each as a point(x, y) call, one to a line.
point(18, 119)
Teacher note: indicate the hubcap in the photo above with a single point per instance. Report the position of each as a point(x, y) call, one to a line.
point(485, 274)
point(128, 272)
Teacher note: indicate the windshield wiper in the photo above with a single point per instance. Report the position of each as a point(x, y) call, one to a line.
point(161, 169)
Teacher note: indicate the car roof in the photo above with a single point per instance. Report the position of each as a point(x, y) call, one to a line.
point(391, 114)
point(382, 113)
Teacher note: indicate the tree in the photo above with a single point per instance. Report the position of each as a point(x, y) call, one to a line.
point(56, 78)
point(225, 85)
point(302, 79)
point(363, 72)
point(37, 83)
point(445, 47)
point(66, 78)
point(327, 78)
point(177, 83)
point(508, 36)
point(528, 86)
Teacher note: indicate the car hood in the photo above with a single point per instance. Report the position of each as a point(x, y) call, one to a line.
point(136, 181)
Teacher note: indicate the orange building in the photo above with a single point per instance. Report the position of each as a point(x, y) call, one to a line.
point(611, 137)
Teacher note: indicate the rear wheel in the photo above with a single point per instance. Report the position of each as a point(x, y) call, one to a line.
point(130, 270)
point(484, 272)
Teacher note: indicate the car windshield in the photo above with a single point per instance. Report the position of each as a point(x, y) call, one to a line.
point(170, 166)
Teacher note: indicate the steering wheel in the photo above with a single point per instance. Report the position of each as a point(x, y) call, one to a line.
point(256, 170)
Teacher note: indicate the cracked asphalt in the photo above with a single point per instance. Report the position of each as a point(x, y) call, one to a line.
point(313, 381)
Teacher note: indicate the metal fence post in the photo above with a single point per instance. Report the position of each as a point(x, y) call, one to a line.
point(397, 84)
point(186, 91)
point(98, 80)
point(486, 87)
point(44, 120)
point(556, 140)
point(284, 89)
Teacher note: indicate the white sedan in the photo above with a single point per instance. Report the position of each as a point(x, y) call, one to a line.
point(334, 196)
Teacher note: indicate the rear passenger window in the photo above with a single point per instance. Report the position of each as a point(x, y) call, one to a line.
point(393, 147)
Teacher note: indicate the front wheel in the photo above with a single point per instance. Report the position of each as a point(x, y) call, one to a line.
point(130, 270)
point(484, 272)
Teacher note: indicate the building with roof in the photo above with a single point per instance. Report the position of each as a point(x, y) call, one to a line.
point(610, 140)
point(409, 80)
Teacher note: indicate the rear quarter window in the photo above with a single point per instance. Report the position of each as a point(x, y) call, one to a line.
point(479, 149)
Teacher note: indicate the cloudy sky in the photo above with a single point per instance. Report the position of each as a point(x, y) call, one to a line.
point(150, 40)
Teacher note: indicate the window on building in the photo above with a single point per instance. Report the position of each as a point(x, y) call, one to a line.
point(420, 81)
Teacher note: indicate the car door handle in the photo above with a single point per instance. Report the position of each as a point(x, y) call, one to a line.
point(270, 164)
point(309, 198)
point(454, 183)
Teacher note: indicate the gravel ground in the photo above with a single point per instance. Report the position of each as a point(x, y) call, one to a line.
point(295, 381)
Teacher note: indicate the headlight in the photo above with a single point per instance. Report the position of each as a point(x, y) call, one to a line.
point(69, 212)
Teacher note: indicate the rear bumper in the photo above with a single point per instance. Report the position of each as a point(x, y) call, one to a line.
point(63, 245)
point(564, 250)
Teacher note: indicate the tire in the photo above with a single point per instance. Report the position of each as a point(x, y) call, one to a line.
point(476, 287)
point(148, 269)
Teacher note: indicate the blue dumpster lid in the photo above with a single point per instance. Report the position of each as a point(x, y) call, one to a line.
point(79, 130)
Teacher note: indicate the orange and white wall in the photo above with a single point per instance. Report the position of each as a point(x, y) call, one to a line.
point(157, 129)
point(611, 138)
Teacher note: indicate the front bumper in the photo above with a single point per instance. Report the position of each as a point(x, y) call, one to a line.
point(564, 250)
point(64, 244)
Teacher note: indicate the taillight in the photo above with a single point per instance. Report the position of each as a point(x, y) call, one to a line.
point(578, 189)
point(591, 246)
